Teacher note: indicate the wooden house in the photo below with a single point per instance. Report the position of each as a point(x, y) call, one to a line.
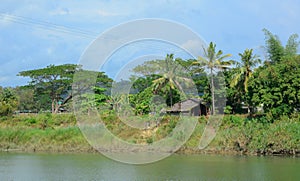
point(189, 107)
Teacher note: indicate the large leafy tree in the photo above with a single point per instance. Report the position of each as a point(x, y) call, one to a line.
point(244, 72)
point(213, 60)
point(276, 84)
point(276, 87)
point(53, 81)
point(8, 101)
point(27, 102)
point(54, 84)
point(90, 89)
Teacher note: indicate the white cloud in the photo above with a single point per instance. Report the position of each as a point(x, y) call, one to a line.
point(71, 25)
point(106, 13)
point(60, 11)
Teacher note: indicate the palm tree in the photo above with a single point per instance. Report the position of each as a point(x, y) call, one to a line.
point(170, 78)
point(244, 73)
point(213, 60)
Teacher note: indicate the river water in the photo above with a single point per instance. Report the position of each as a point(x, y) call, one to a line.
point(20, 166)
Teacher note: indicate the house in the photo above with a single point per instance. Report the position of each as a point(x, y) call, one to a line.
point(189, 107)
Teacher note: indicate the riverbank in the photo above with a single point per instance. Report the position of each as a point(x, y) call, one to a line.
point(236, 135)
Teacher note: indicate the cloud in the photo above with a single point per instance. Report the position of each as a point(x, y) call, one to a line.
point(71, 25)
point(106, 13)
point(60, 11)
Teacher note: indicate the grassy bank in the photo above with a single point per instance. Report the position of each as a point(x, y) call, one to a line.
point(42, 133)
point(237, 134)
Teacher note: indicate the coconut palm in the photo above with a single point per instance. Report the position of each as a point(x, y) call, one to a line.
point(248, 62)
point(213, 60)
point(244, 71)
point(171, 77)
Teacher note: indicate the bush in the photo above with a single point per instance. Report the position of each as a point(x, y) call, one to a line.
point(149, 140)
point(228, 110)
point(30, 121)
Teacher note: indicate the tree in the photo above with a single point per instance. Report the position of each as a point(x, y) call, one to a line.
point(244, 72)
point(26, 99)
point(174, 78)
point(213, 60)
point(276, 84)
point(197, 73)
point(276, 87)
point(90, 89)
point(248, 62)
point(53, 81)
point(141, 83)
point(276, 51)
point(170, 78)
point(141, 101)
point(8, 101)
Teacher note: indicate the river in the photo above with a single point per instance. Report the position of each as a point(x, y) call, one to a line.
point(37, 166)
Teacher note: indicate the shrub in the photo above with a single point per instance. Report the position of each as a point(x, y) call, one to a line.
point(149, 140)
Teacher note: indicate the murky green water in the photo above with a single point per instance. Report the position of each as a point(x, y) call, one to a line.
point(177, 167)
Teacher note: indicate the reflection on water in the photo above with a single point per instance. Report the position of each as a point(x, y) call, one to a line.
point(177, 167)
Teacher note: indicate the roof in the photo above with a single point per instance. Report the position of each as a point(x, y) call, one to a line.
point(185, 105)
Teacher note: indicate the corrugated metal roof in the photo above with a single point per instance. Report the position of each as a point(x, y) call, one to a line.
point(185, 105)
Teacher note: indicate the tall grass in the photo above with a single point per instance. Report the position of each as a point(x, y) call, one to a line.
point(254, 136)
point(237, 133)
point(42, 132)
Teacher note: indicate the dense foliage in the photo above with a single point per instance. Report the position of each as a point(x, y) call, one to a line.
point(276, 87)
point(251, 87)
point(8, 101)
point(52, 86)
point(268, 92)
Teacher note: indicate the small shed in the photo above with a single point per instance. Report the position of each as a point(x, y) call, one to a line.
point(189, 107)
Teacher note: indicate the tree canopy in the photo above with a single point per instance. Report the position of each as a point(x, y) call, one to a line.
point(273, 84)
point(8, 101)
point(54, 83)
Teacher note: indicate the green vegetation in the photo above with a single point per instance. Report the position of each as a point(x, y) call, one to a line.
point(8, 101)
point(265, 92)
point(51, 83)
point(245, 135)
point(213, 60)
point(237, 134)
point(52, 86)
point(41, 132)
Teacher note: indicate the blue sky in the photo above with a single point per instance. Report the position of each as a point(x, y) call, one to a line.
point(34, 34)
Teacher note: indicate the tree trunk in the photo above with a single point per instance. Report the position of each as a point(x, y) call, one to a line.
point(171, 97)
point(212, 92)
point(56, 106)
point(53, 106)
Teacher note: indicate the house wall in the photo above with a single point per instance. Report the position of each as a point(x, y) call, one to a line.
point(200, 110)
point(196, 111)
point(203, 110)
